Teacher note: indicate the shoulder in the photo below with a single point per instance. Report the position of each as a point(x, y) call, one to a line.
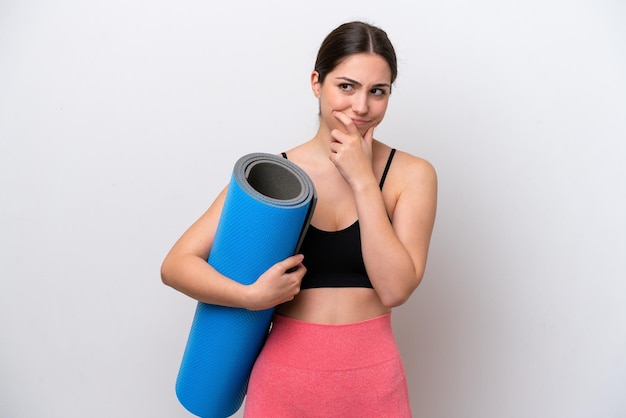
point(412, 167)
point(411, 190)
point(407, 169)
point(414, 182)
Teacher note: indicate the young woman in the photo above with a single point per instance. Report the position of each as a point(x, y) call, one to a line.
point(331, 351)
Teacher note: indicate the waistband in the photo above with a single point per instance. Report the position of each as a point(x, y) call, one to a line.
point(313, 346)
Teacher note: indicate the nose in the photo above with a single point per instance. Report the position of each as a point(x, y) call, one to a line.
point(359, 103)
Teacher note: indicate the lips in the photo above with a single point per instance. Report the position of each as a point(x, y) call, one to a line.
point(360, 122)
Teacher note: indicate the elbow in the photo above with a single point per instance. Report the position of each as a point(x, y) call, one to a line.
point(399, 296)
point(166, 276)
point(393, 302)
point(396, 299)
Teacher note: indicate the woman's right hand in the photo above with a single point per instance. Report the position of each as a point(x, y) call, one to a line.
point(279, 284)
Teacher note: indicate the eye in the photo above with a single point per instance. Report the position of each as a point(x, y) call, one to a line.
point(346, 87)
point(378, 92)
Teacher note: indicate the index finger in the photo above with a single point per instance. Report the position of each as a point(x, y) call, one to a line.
point(347, 122)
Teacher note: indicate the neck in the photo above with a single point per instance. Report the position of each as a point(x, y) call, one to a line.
point(319, 145)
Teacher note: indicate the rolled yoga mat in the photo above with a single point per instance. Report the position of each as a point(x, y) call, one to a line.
point(267, 209)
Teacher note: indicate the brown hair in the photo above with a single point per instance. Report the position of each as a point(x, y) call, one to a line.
point(354, 38)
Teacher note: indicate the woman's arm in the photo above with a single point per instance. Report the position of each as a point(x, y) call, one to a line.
point(186, 269)
point(395, 254)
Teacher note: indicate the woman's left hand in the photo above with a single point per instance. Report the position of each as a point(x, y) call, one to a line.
point(351, 152)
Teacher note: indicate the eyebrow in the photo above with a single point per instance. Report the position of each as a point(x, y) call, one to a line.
point(359, 84)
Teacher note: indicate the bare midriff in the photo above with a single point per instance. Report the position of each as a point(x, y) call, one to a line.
point(334, 306)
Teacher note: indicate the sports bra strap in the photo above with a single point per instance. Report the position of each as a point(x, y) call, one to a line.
point(384, 176)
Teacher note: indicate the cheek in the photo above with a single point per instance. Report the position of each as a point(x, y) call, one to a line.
point(327, 108)
point(334, 101)
point(379, 109)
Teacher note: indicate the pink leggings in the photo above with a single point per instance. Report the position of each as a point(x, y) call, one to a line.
point(329, 371)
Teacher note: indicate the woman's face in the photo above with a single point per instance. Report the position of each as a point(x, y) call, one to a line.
point(359, 87)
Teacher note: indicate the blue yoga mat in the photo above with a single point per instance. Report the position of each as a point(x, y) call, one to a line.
point(267, 209)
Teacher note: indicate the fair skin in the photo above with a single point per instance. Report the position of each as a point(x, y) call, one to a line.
point(345, 163)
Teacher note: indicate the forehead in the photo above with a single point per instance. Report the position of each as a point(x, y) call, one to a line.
point(364, 68)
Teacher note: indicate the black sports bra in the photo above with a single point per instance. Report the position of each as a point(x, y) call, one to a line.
point(334, 258)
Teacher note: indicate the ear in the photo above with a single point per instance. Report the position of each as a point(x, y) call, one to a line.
point(316, 86)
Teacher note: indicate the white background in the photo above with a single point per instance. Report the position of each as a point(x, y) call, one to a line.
point(121, 120)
